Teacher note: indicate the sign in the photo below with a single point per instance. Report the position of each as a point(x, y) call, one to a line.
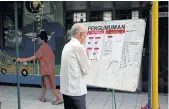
point(115, 51)
point(163, 14)
point(100, 40)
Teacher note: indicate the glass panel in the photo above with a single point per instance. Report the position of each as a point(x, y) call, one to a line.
point(145, 4)
point(163, 6)
point(123, 4)
point(135, 4)
point(123, 14)
point(135, 14)
point(96, 16)
point(9, 24)
point(145, 13)
point(127, 4)
point(1, 32)
point(107, 15)
point(163, 55)
point(101, 5)
point(69, 23)
point(76, 5)
point(79, 17)
point(69, 20)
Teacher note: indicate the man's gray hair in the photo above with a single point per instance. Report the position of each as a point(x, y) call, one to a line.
point(75, 28)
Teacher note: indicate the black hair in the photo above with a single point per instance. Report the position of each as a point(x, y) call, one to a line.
point(43, 36)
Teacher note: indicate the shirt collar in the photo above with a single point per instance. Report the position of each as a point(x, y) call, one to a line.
point(74, 39)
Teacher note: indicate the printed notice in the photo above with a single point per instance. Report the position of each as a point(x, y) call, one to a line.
point(107, 48)
point(113, 47)
point(97, 42)
point(90, 41)
point(96, 54)
point(90, 53)
point(117, 40)
point(94, 46)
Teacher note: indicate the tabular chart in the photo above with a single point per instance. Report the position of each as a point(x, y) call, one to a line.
point(94, 46)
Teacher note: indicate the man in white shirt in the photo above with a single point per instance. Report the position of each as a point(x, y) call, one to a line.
point(74, 67)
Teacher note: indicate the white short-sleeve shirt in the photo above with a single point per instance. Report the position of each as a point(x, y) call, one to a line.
point(74, 67)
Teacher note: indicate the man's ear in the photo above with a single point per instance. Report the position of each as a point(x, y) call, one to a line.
point(80, 34)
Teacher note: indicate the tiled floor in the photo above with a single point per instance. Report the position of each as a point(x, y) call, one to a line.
point(95, 99)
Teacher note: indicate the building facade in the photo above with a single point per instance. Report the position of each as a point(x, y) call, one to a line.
point(66, 13)
point(86, 11)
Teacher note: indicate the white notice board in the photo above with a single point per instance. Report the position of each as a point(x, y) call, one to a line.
point(115, 50)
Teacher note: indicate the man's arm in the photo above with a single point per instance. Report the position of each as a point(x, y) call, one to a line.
point(83, 60)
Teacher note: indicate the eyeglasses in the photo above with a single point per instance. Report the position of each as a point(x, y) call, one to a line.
point(81, 33)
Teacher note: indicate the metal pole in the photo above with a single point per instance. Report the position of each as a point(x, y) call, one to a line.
point(149, 69)
point(113, 91)
point(17, 54)
point(113, 100)
point(34, 45)
point(155, 55)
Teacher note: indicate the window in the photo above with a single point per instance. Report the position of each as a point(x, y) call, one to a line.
point(79, 17)
point(135, 14)
point(163, 54)
point(107, 15)
point(76, 5)
point(127, 14)
point(127, 4)
point(146, 3)
point(8, 18)
point(123, 14)
point(72, 17)
point(1, 32)
point(68, 20)
point(101, 5)
point(163, 6)
point(135, 4)
point(96, 16)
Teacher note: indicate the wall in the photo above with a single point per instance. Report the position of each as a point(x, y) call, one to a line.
point(58, 17)
point(28, 48)
point(58, 14)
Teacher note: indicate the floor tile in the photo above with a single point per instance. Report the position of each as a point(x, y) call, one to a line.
point(32, 106)
point(109, 104)
point(5, 105)
point(127, 107)
point(94, 99)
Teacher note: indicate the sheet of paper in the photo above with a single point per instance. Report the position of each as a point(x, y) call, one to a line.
point(112, 47)
point(107, 48)
point(90, 41)
point(98, 41)
point(90, 53)
point(96, 54)
point(94, 46)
